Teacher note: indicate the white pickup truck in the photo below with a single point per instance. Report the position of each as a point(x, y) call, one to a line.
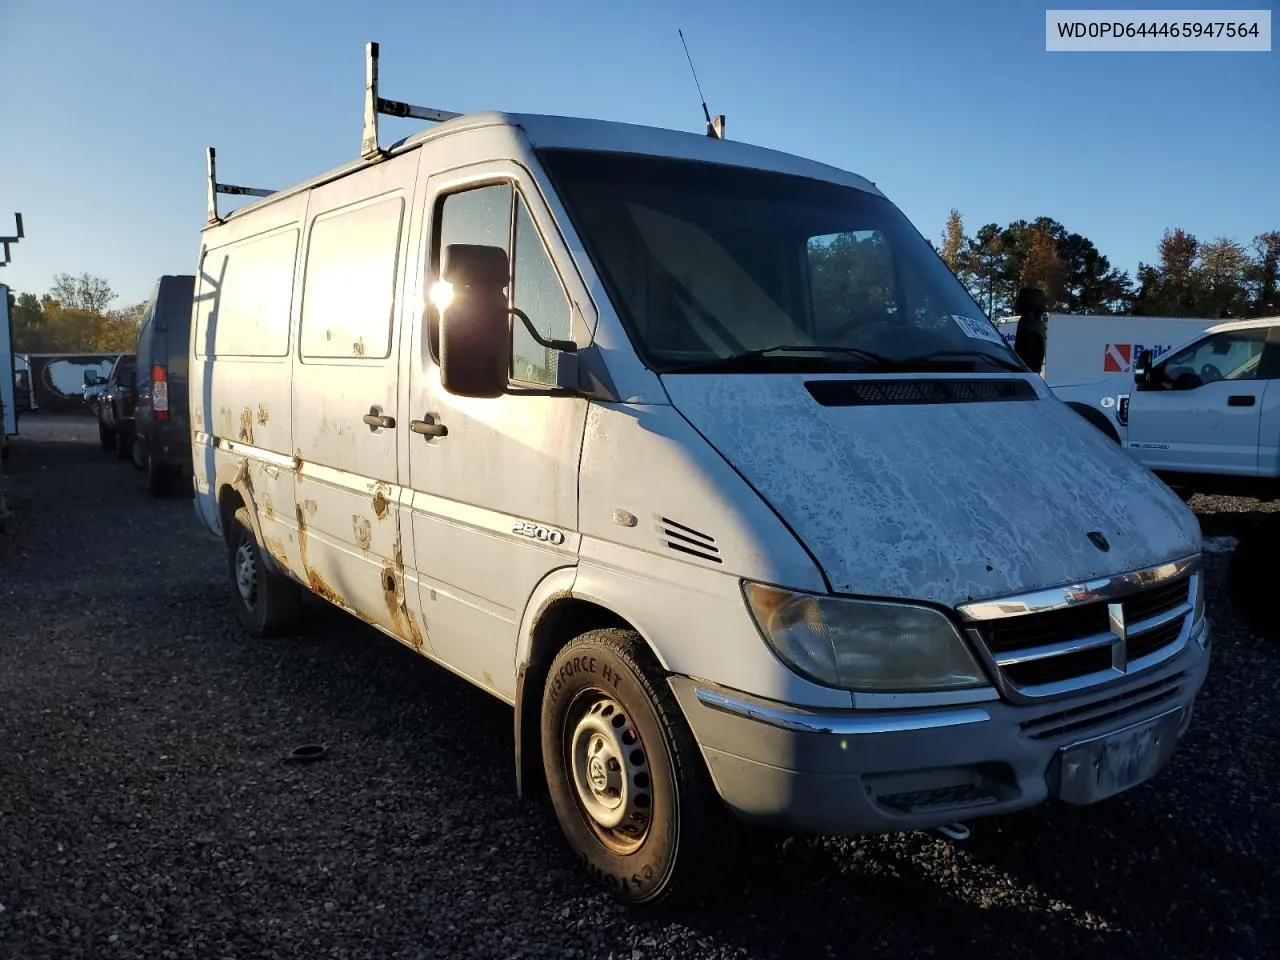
point(1205, 417)
point(1088, 359)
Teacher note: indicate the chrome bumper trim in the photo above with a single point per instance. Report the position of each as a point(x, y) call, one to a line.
point(844, 724)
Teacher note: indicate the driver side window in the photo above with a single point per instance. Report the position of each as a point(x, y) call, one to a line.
point(496, 215)
point(1232, 355)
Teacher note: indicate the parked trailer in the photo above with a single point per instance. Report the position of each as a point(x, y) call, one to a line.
point(8, 373)
point(58, 380)
point(510, 392)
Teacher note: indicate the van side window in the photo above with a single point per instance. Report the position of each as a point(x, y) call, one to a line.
point(348, 291)
point(485, 215)
point(481, 215)
point(539, 293)
point(246, 291)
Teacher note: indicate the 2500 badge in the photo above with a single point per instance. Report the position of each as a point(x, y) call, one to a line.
point(537, 532)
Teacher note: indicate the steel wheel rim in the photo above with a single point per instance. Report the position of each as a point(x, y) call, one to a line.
point(246, 572)
point(610, 771)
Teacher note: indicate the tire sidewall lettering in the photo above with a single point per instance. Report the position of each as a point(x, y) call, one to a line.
point(643, 869)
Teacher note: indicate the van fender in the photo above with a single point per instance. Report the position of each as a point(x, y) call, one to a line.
point(556, 585)
point(236, 474)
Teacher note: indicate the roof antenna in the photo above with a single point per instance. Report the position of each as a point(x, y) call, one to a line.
point(715, 128)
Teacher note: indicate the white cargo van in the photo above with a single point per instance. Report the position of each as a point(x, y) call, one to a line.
point(1088, 359)
point(697, 455)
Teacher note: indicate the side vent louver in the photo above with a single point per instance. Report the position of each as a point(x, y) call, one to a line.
point(689, 541)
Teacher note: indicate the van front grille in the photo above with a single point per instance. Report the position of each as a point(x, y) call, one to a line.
point(1050, 652)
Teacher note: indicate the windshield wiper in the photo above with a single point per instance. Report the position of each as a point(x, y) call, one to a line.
point(877, 360)
point(939, 355)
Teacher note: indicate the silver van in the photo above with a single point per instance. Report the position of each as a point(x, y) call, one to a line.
point(697, 455)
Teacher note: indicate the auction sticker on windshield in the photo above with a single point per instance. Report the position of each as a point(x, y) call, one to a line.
point(976, 329)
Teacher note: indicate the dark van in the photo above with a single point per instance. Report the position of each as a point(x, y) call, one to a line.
point(162, 432)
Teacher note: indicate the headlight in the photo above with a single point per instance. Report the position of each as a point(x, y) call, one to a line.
point(863, 645)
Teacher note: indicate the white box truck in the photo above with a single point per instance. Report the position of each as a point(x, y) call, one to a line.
point(1088, 359)
point(697, 455)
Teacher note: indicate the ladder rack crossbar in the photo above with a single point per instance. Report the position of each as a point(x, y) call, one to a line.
point(215, 188)
point(375, 105)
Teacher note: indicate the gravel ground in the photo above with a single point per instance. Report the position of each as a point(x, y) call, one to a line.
point(146, 810)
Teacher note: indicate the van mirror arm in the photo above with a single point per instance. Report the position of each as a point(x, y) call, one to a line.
point(562, 346)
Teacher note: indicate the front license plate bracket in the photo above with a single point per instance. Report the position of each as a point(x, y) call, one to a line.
point(1092, 770)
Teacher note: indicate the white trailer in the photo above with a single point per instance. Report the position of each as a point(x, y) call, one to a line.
point(8, 369)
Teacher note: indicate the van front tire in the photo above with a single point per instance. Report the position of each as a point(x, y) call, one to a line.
point(266, 603)
point(624, 773)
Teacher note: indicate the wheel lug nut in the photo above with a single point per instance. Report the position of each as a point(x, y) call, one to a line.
point(613, 765)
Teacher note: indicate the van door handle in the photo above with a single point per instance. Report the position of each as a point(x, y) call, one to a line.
point(1242, 400)
point(375, 419)
point(428, 427)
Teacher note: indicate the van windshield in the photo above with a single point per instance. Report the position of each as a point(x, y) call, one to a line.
point(714, 267)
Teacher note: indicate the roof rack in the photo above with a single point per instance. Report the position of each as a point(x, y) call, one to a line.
point(369, 148)
point(374, 105)
point(216, 188)
point(5, 241)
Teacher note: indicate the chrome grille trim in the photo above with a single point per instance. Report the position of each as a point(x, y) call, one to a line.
point(1107, 647)
point(1076, 594)
point(1053, 649)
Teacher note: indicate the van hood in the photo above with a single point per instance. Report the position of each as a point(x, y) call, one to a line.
point(945, 502)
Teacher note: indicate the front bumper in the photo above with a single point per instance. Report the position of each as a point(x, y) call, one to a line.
point(860, 772)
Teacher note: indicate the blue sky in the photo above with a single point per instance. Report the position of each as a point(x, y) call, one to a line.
point(107, 107)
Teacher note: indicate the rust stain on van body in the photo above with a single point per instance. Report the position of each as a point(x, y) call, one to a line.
point(246, 426)
point(319, 586)
point(381, 499)
point(363, 531)
point(403, 622)
point(275, 547)
point(262, 415)
point(268, 506)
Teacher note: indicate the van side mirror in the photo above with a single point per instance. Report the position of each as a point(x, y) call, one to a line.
point(1142, 369)
point(475, 334)
point(1029, 343)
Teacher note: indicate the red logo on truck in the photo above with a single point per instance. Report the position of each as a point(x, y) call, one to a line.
point(1118, 358)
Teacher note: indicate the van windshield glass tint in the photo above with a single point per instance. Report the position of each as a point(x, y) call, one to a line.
point(713, 267)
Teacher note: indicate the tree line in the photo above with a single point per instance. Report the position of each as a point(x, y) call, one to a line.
point(1219, 279)
point(75, 316)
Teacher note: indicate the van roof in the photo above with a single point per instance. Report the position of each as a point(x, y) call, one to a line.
point(547, 131)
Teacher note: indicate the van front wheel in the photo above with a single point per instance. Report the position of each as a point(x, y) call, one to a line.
point(266, 603)
point(624, 772)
